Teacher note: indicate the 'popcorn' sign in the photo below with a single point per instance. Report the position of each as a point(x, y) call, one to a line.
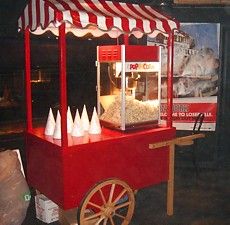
point(142, 66)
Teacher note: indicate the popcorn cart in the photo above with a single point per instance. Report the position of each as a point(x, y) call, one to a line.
point(99, 173)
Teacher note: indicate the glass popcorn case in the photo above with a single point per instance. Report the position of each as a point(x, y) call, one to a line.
point(128, 86)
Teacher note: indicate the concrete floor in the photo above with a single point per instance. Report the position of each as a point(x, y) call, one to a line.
point(202, 200)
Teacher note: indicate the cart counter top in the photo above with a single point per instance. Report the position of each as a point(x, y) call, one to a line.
point(106, 135)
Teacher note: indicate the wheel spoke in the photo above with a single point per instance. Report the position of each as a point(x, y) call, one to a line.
point(111, 220)
point(105, 221)
point(119, 196)
point(119, 215)
point(98, 222)
point(122, 205)
point(95, 205)
point(102, 196)
point(93, 216)
point(111, 193)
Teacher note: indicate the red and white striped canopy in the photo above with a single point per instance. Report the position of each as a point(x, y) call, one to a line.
point(96, 17)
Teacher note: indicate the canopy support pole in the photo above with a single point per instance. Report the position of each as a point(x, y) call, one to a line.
point(62, 84)
point(29, 126)
point(170, 46)
point(126, 39)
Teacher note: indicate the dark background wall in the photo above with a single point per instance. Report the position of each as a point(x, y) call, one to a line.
point(212, 151)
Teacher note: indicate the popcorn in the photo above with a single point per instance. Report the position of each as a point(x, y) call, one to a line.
point(135, 111)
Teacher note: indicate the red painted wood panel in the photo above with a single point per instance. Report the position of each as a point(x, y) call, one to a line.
point(66, 176)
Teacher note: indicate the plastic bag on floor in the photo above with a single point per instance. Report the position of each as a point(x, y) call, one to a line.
point(14, 191)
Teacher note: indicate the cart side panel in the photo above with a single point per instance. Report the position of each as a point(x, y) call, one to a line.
point(44, 167)
point(127, 158)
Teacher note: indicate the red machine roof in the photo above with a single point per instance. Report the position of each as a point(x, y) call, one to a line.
point(96, 17)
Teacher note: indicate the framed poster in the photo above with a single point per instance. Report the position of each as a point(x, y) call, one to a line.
point(195, 74)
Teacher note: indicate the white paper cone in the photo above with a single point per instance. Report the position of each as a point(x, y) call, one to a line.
point(85, 119)
point(95, 127)
point(69, 121)
point(50, 124)
point(57, 130)
point(77, 130)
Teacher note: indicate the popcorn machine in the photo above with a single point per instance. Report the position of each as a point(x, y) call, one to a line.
point(128, 86)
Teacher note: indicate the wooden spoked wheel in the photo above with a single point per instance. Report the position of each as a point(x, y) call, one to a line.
point(108, 203)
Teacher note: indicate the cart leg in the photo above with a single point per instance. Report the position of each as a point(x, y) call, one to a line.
point(68, 217)
point(170, 186)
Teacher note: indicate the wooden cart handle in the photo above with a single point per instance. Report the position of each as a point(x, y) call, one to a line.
point(187, 140)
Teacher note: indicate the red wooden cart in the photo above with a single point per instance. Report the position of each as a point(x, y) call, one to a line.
point(96, 173)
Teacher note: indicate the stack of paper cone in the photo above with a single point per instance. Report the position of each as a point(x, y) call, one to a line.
point(85, 119)
point(95, 127)
point(77, 130)
point(69, 121)
point(50, 124)
point(57, 130)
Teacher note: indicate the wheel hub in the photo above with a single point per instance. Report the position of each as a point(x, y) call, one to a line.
point(109, 210)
